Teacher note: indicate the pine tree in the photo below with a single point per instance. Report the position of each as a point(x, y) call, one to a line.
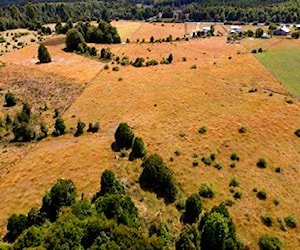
point(43, 54)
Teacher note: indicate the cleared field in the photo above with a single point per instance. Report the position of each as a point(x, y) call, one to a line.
point(165, 105)
point(282, 60)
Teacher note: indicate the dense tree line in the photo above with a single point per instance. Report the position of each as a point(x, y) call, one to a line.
point(34, 15)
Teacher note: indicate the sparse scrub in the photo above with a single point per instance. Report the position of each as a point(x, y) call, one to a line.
point(269, 242)
point(177, 152)
point(202, 130)
point(218, 166)
point(262, 195)
point(195, 162)
point(10, 99)
point(234, 182)
point(115, 68)
point(93, 127)
point(234, 157)
point(290, 221)
point(261, 163)
point(206, 191)
point(237, 195)
point(267, 220)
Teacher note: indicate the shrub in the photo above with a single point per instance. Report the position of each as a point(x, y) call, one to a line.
point(260, 50)
point(106, 67)
point(276, 201)
point(170, 58)
point(193, 208)
point(218, 166)
point(177, 152)
point(206, 191)
point(261, 163)
point(59, 127)
point(253, 51)
point(93, 127)
point(229, 202)
point(138, 149)
point(43, 54)
point(297, 132)
point(124, 136)
point(194, 66)
point(15, 226)
point(237, 195)
point(234, 182)
point(269, 242)
point(73, 39)
point(44, 129)
point(123, 152)
point(212, 156)
point(232, 165)
point(80, 127)
point(195, 162)
point(10, 99)
point(115, 68)
point(278, 170)
point(157, 177)
point(206, 160)
point(262, 195)
point(267, 220)
point(290, 221)
point(138, 62)
point(151, 62)
point(234, 157)
point(202, 130)
point(242, 130)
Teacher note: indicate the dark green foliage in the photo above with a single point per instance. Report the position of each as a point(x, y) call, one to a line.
point(261, 163)
point(259, 32)
point(10, 99)
point(83, 209)
point(62, 194)
point(297, 132)
point(262, 195)
point(93, 127)
point(117, 207)
point(234, 157)
point(170, 58)
point(193, 208)
point(267, 220)
point(206, 160)
point(206, 191)
point(106, 54)
point(152, 62)
point(269, 242)
point(124, 136)
point(157, 177)
point(296, 35)
point(138, 149)
point(161, 230)
point(151, 39)
point(59, 127)
point(44, 129)
point(234, 182)
point(43, 54)
point(278, 170)
point(189, 238)
point(15, 226)
point(237, 195)
point(36, 217)
point(202, 130)
point(73, 39)
point(31, 237)
point(110, 184)
point(290, 221)
point(138, 62)
point(116, 68)
point(80, 127)
point(260, 50)
point(65, 233)
point(243, 129)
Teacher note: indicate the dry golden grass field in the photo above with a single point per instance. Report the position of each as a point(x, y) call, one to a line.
point(165, 105)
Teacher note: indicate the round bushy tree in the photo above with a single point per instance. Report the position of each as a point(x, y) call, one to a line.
point(10, 99)
point(43, 54)
point(138, 149)
point(124, 136)
point(59, 127)
point(73, 39)
point(15, 226)
point(193, 208)
point(269, 242)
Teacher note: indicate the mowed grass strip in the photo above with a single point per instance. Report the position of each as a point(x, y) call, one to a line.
point(284, 64)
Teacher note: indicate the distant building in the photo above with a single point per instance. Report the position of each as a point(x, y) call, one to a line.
point(265, 36)
point(283, 31)
point(297, 26)
point(235, 29)
point(206, 30)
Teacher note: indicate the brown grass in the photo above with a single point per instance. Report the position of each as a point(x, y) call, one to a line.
point(160, 103)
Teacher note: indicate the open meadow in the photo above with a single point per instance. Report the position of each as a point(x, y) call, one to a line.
point(207, 84)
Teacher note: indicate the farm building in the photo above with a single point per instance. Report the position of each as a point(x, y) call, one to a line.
point(265, 36)
point(297, 26)
point(283, 31)
point(235, 29)
point(206, 30)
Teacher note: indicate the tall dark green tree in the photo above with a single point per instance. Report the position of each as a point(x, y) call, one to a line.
point(43, 54)
point(73, 39)
point(193, 208)
point(124, 136)
point(138, 149)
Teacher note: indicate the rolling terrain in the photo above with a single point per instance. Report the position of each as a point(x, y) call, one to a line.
point(207, 84)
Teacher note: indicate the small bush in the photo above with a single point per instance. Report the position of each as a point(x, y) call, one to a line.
point(80, 127)
point(206, 191)
point(234, 182)
point(269, 242)
point(115, 68)
point(276, 201)
point(194, 66)
point(242, 130)
point(206, 160)
point(195, 162)
point(123, 152)
point(202, 130)
point(237, 195)
point(278, 170)
point(267, 220)
point(290, 221)
point(177, 152)
point(260, 50)
point(106, 67)
point(262, 195)
point(229, 202)
point(232, 165)
point(234, 157)
point(261, 163)
point(212, 156)
point(93, 127)
point(297, 132)
point(218, 166)
point(10, 99)
point(254, 51)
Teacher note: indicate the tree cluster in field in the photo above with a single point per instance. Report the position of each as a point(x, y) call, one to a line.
point(83, 33)
point(27, 125)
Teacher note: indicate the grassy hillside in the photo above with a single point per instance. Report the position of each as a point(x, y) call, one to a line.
point(208, 85)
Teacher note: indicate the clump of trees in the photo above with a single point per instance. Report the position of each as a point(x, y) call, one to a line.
point(158, 178)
